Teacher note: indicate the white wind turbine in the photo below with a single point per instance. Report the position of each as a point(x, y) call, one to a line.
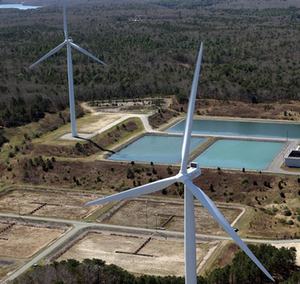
point(68, 42)
point(186, 176)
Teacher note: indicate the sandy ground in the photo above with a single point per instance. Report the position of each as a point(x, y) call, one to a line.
point(61, 204)
point(289, 245)
point(152, 214)
point(166, 255)
point(23, 241)
point(95, 122)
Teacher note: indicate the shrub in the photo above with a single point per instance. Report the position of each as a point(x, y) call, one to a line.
point(130, 173)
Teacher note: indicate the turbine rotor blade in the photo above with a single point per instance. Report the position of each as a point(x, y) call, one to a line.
point(217, 215)
point(65, 19)
point(47, 55)
point(135, 192)
point(189, 120)
point(80, 49)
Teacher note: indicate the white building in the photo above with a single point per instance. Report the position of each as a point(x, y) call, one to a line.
point(292, 160)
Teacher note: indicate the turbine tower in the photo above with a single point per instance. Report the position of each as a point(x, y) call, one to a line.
point(186, 176)
point(68, 42)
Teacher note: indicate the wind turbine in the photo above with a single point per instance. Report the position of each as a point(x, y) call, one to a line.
point(68, 42)
point(186, 176)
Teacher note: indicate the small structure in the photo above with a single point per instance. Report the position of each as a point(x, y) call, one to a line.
point(292, 160)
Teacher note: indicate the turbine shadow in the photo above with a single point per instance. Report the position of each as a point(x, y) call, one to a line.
point(95, 144)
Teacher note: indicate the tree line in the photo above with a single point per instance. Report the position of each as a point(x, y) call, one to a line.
point(280, 262)
point(249, 55)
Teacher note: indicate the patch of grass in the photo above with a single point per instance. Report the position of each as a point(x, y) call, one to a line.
point(101, 143)
point(20, 136)
point(96, 214)
point(127, 135)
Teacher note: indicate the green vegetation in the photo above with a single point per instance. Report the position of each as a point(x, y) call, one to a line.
point(150, 47)
point(51, 145)
point(280, 262)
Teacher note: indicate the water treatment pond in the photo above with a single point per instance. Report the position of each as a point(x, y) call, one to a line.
point(238, 154)
point(155, 148)
point(240, 128)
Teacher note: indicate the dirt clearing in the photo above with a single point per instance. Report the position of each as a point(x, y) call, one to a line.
point(157, 257)
point(167, 215)
point(23, 241)
point(92, 123)
point(63, 204)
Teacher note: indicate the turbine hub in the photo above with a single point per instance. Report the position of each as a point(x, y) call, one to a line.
point(192, 172)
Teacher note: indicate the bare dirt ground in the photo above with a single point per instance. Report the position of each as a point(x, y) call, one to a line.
point(23, 241)
point(19, 242)
point(167, 215)
point(92, 123)
point(68, 205)
point(158, 257)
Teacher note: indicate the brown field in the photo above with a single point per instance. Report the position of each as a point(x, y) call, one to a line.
point(158, 257)
point(167, 215)
point(21, 241)
point(62, 204)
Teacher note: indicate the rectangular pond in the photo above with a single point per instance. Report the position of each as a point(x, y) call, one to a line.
point(155, 148)
point(238, 154)
point(240, 128)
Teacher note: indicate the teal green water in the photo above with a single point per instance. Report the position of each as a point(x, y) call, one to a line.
point(155, 148)
point(238, 154)
point(240, 128)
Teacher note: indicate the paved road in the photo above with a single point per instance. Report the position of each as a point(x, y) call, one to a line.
point(77, 226)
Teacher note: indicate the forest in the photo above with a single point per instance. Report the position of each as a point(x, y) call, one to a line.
point(280, 263)
point(150, 48)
